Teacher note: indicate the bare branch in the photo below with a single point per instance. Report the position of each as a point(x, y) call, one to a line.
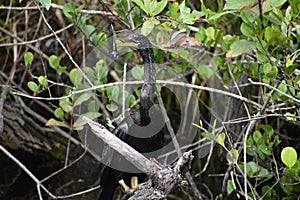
point(134, 157)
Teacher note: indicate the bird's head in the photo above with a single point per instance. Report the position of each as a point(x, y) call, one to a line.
point(137, 41)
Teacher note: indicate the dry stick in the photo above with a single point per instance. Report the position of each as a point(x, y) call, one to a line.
point(20, 40)
point(239, 91)
point(53, 5)
point(130, 15)
point(256, 117)
point(36, 40)
point(249, 129)
point(138, 160)
point(274, 88)
point(133, 156)
point(64, 48)
point(176, 144)
point(6, 87)
point(123, 90)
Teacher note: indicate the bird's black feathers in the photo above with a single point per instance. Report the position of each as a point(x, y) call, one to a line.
point(142, 130)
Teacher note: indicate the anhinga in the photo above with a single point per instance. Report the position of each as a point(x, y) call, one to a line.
point(142, 141)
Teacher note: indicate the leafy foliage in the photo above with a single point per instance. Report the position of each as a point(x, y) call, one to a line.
point(238, 38)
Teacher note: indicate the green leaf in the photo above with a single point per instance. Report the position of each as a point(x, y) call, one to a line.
point(208, 135)
point(153, 5)
point(147, 27)
point(131, 100)
point(268, 129)
point(221, 139)
point(101, 71)
point(54, 61)
point(45, 3)
point(289, 156)
point(264, 149)
point(271, 4)
point(93, 106)
point(69, 10)
point(89, 30)
point(232, 156)
point(43, 81)
point(76, 77)
point(256, 136)
point(218, 15)
point(210, 32)
point(82, 98)
point(240, 47)
point(61, 70)
point(59, 113)
point(137, 73)
point(33, 86)
point(174, 10)
point(247, 30)
point(252, 168)
point(115, 94)
point(148, 6)
point(247, 16)
point(66, 105)
point(111, 107)
point(261, 56)
point(230, 187)
point(28, 58)
point(239, 4)
point(282, 86)
point(270, 71)
point(160, 7)
point(54, 122)
point(80, 122)
point(146, 9)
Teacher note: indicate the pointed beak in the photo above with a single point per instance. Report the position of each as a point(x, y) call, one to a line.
point(124, 36)
point(128, 44)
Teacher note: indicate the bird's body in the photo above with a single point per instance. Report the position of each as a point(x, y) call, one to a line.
point(139, 129)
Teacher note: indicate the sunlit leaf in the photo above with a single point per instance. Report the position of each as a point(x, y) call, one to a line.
point(54, 122)
point(28, 58)
point(54, 61)
point(82, 98)
point(240, 47)
point(33, 86)
point(76, 77)
point(239, 5)
point(43, 81)
point(160, 7)
point(221, 139)
point(289, 156)
point(59, 113)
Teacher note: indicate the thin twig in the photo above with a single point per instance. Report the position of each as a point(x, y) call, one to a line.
point(130, 15)
point(274, 88)
point(123, 91)
point(249, 129)
point(166, 82)
point(176, 144)
point(53, 5)
point(37, 40)
point(20, 40)
point(65, 49)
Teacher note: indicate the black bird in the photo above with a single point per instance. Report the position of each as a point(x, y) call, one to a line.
point(140, 129)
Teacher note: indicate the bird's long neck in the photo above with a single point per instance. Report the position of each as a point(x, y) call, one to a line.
point(148, 89)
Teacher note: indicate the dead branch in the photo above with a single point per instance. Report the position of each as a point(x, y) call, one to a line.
point(162, 179)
